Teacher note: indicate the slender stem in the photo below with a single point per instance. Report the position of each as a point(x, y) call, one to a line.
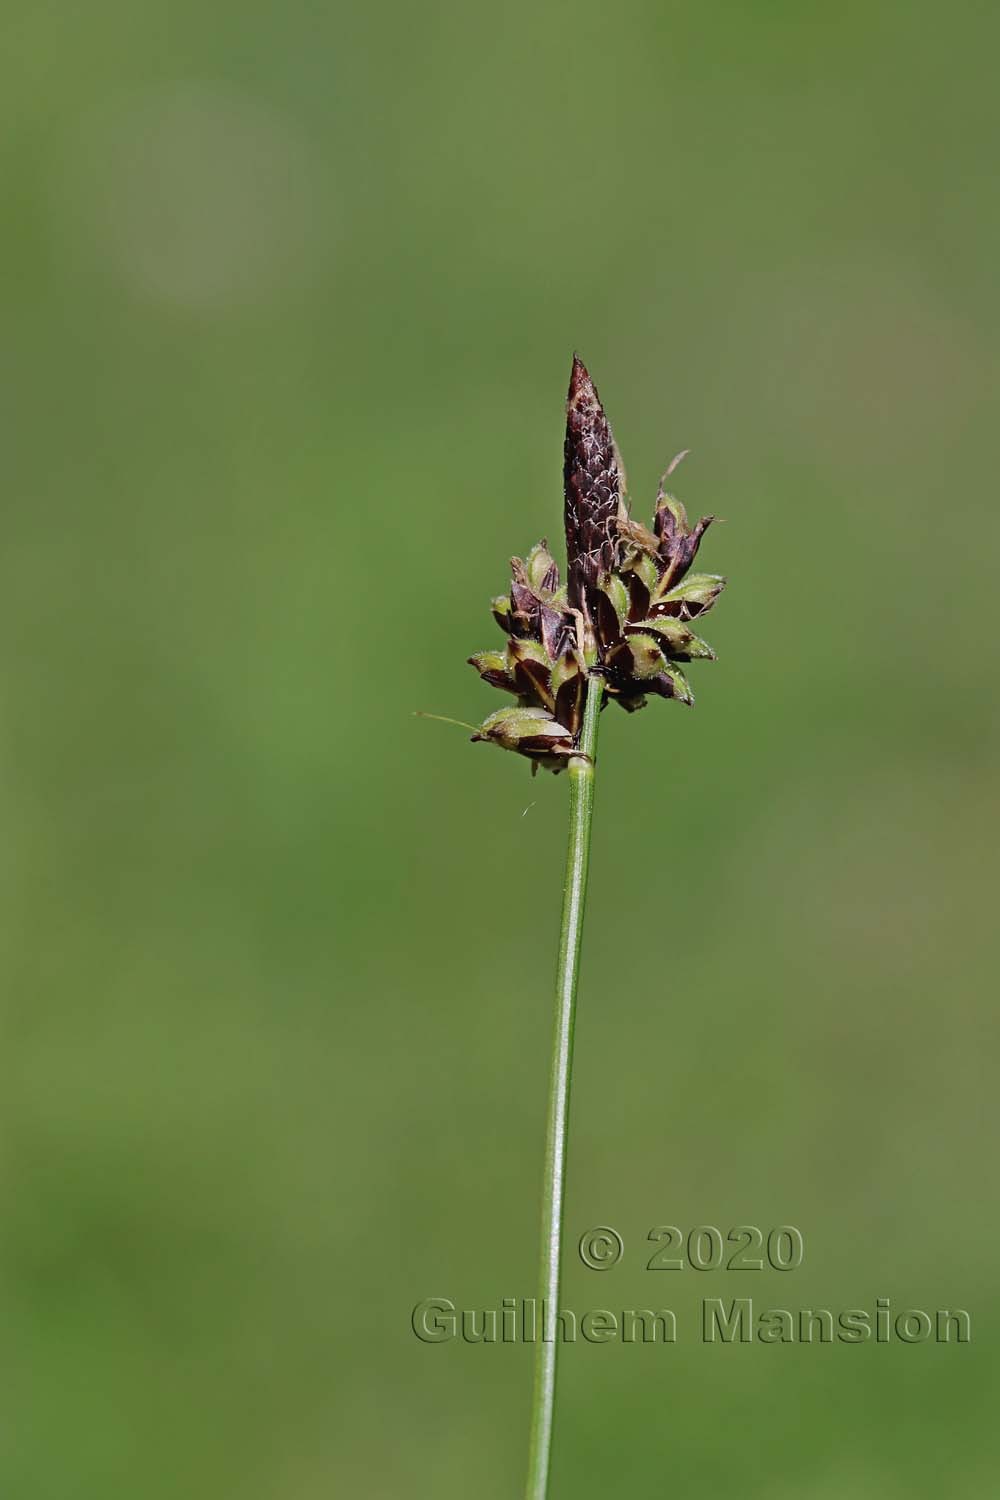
point(581, 808)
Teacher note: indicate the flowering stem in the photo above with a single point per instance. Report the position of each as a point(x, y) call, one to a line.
point(581, 808)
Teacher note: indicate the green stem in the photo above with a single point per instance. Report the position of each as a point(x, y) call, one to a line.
point(581, 808)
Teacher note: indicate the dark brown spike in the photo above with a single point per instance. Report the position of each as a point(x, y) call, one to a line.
point(592, 487)
point(630, 584)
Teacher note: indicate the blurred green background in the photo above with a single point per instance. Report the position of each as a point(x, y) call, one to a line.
point(290, 298)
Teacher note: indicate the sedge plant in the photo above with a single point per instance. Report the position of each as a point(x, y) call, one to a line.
point(618, 630)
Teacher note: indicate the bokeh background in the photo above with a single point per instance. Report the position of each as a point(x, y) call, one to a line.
point(290, 297)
